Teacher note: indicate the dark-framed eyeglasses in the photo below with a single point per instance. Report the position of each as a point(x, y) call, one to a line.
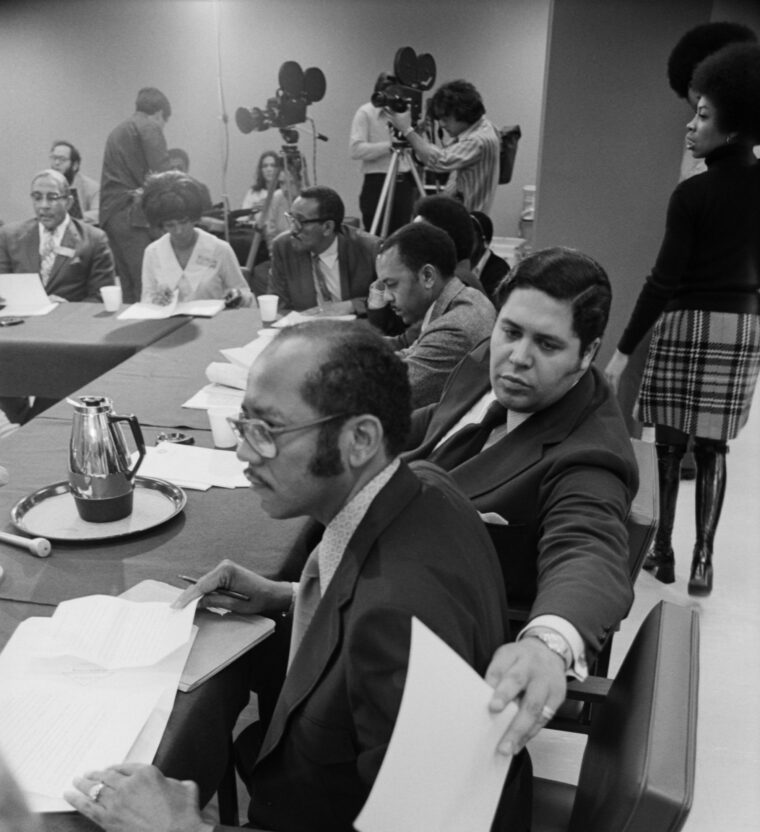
point(299, 222)
point(37, 196)
point(262, 437)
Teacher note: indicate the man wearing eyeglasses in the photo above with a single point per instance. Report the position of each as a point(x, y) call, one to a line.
point(322, 265)
point(326, 411)
point(72, 257)
point(85, 192)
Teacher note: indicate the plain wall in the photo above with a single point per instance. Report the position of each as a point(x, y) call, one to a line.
point(72, 69)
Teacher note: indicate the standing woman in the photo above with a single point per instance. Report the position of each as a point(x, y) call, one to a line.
point(703, 293)
point(186, 259)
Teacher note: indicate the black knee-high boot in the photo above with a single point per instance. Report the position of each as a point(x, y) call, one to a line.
point(710, 490)
point(660, 561)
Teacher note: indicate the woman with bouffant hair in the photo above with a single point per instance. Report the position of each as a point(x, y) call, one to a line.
point(186, 259)
point(704, 357)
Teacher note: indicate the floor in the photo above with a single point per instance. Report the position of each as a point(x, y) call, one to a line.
point(726, 795)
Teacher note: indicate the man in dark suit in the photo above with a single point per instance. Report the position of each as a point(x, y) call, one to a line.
point(77, 260)
point(322, 264)
point(325, 414)
point(532, 434)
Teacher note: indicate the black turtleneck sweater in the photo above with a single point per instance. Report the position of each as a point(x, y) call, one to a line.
point(709, 257)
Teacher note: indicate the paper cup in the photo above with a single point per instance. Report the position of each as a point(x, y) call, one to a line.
point(268, 307)
point(111, 298)
point(220, 427)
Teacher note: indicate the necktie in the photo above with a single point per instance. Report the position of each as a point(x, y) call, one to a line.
point(320, 282)
point(47, 258)
point(75, 210)
point(468, 441)
point(307, 601)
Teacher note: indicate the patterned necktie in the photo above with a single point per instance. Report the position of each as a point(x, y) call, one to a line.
point(320, 282)
point(47, 258)
point(468, 441)
point(308, 597)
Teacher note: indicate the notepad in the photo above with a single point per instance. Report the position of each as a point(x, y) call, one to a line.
point(220, 640)
point(153, 312)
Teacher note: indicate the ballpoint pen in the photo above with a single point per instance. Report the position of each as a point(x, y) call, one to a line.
point(230, 593)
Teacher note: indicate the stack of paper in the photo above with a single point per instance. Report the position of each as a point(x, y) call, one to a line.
point(90, 687)
point(23, 294)
point(293, 318)
point(191, 467)
point(153, 311)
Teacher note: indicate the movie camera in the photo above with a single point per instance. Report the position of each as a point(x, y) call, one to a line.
point(298, 89)
point(414, 75)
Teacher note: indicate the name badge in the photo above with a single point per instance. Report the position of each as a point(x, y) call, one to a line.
point(65, 251)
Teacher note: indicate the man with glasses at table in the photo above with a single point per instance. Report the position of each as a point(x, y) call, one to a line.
point(326, 411)
point(71, 256)
point(322, 265)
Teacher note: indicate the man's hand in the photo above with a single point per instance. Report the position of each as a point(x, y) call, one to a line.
point(266, 596)
point(529, 672)
point(401, 121)
point(615, 369)
point(138, 798)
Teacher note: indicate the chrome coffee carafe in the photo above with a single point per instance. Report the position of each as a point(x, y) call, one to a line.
point(100, 476)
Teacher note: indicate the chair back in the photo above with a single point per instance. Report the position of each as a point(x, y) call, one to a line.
point(637, 773)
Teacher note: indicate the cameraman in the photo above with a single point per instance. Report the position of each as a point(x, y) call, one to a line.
point(371, 142)
point(472, 158)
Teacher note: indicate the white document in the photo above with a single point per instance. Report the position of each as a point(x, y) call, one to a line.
point(113, 633)
point(215, 395)
point(24, 295)
point(441, 772)
point(191, 467)
point(60, 717)
point(230, 375)
point(154, 311)
point(293, 318)
point(245, 356)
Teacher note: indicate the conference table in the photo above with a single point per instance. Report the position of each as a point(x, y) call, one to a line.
point(214, 524)
point(52, 355)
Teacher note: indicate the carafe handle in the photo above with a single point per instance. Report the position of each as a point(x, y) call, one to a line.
point(136, 434)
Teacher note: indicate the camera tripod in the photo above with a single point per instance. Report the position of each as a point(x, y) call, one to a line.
point(400, 149)
point(293, 166)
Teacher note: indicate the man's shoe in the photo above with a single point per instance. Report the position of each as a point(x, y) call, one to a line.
point(661, 566)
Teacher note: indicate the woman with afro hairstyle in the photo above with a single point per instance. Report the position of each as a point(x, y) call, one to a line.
point(704, 356)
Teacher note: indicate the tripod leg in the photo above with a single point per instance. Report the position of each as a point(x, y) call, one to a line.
point(416, 176)
point(391, 194)
point(383, 201)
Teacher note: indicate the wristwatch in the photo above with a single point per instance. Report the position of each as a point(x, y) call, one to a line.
point(555, 642)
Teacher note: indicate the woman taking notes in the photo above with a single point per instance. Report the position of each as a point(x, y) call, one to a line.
point(186, 259)
point(703, 294)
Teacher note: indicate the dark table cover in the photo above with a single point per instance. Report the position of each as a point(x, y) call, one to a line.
point(52, 355)
point(155, 382)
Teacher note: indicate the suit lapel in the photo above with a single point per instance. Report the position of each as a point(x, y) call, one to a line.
point(71, 239)
point(32, 245)
point(343, 267)
point(323, 638)
point(524, 446)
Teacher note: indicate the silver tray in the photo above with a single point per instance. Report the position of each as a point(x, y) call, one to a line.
point(51, 512)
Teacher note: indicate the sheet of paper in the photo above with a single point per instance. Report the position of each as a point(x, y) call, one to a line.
point(194, 467)
point(441, 772)
point(20, 667)
point(293, 318)
point(245, 356)
point(215, 395)
point(153, 311)
point(24, 295)
point(230, 375)
point(52, 733)
point(113, 633)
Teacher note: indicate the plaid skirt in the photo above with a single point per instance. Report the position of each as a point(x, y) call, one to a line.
point(700, 373)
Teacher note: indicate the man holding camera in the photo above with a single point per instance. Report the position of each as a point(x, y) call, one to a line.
point(472, 158)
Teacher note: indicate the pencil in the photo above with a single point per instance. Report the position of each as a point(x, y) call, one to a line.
point(230, 593)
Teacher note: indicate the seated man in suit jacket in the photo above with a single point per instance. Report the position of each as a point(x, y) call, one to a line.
point(322, 264)
point(325, 414)
point(416, 272)
point(71, 256)
point(532, 434)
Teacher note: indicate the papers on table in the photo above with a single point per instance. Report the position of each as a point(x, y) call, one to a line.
point(441, 772)
point(220, 640)
point(61, 714)
point(191, 467)
point(153, 311)
point(293, 318)
point(215, 395)
point(24, 295)
point(235, 373)
point(228, 375)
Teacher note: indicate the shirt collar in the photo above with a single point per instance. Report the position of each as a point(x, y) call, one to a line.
point(57, 232)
